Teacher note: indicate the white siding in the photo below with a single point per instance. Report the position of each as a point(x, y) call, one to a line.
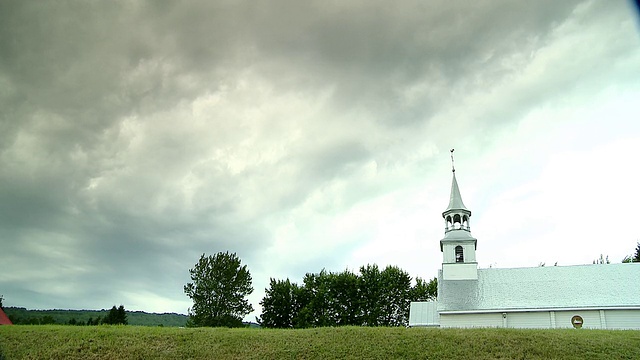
point(448, 254)
point(591, 319)
point(471, 320)
point(460, 271)
point(469, 252)
point(529, 320)
point(622, 319)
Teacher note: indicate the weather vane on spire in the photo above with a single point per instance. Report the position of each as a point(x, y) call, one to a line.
point(453, 168)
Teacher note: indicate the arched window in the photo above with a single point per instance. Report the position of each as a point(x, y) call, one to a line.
point(449, 223)
point(465, 222)
point(456, 221)
point(459, 254)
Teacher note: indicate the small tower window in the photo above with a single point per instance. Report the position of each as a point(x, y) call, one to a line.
point(456, 221)
point(459, 254)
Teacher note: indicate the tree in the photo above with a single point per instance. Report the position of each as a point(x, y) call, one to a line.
point(116, 316)
point(219, 289)
point(344, 298)
point(602, 260)
point(1, 299)
point(370, 289)
point(385, 296)
point(317, 300)
point(396, 290)
point(302, 312)
point(633, 258)
point(122, 316)
point(110, 319)
point(279, 305)
point(424, 291)
point(47, 320)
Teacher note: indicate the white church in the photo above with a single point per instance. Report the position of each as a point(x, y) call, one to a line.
point(587, 296)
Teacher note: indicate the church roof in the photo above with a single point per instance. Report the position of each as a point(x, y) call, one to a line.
point(458, 236)
point(4, 319)
point(548, 287)
point(455, 200)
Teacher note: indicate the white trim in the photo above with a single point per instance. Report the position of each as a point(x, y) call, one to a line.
point(603, 320)
point(453, 312)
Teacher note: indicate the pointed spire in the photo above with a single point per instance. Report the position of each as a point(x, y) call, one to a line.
point(455, 200)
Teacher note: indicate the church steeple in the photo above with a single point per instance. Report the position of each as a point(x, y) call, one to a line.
point(457, 215)
point(458, 246)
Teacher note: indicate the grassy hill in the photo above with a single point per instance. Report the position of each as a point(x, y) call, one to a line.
point(132, 342)
point(24, 316)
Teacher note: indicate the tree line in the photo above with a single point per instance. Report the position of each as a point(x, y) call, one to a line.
point(115, 316)
point(373, 297)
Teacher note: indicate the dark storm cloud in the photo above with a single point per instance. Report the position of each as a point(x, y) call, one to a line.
point(94, 62)
point(371, 52)
point(135, 136)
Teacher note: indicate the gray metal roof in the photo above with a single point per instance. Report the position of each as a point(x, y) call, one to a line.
point(581, 286)
point(424, 313)
point(458, 236)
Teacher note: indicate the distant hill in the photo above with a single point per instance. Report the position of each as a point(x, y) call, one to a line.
point(20, 315)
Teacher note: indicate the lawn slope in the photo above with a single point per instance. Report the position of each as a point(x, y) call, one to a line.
point(134, 342)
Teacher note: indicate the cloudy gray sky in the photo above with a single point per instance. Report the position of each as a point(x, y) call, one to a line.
point(135, 136)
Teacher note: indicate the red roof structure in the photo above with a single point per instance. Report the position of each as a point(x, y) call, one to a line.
point(4, 319)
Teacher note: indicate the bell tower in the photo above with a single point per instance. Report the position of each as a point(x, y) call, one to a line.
point(458, 246)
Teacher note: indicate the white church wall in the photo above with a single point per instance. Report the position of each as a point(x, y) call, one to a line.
point(448, 255)
point(471, 320)
point(622, 319)
point(528, 320)
point(591, 319)
point(469, 251)
point(460, 271)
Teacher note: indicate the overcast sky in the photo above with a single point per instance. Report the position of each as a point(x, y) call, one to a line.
point(301, 135)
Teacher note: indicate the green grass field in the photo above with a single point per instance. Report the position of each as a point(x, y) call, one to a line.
point(136, 342)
